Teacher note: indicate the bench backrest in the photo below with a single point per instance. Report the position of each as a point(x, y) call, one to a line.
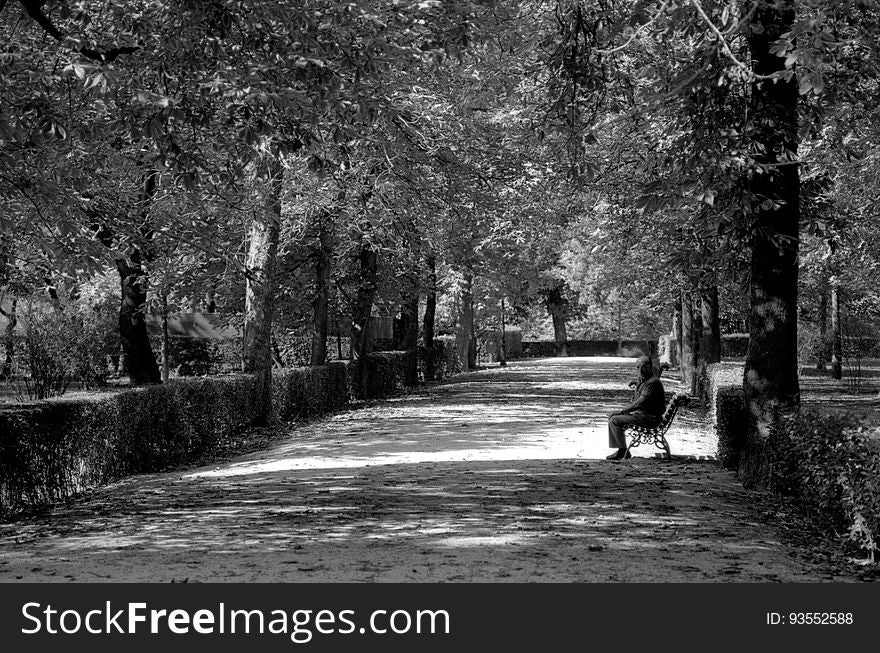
point(678, 400)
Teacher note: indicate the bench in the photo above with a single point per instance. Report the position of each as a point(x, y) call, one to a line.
point(657, 435)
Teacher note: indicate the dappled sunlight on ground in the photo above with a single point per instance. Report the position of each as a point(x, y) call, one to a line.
point(495, 476)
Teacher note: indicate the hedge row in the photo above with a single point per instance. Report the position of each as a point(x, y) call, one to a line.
point(631, 348)
point(386, 373)
point(302, 392)
point(727, 405)
point(822, 462)
point(52, 449)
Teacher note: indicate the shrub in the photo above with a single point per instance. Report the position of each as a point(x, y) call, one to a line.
point(444, 359)
point(727, 406)
point(386, 373)
point(734, 345)
point(305, 391)
point(823, 464)
point(52, 449)
point(63, 344)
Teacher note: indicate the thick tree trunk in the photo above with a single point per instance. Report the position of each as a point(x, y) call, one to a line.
point(260, 288)
point(836, 336)
point(556, 306)
point(361, 344)
point(9, 339)
point(771, 369)
point(321, 301)
point(409, 336)
point(140, 363)
point(823, 331)
point(689, 335)
point(710, 345)
point(675, 337)
point(502, 346)
point(428, 319)
point(165, 352)
point(464, 332)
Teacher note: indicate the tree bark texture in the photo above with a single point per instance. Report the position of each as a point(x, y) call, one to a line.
point(320, 303)
point(361, 344)
point(9, 339)
point(260, 288)
point(409, 335)
point(771, 379)
point(836, 336)
point(428, 319)
point(688, 340)
point(140, 363)
point(675, 337)
point(138, 359)
point(710, 345)
point(556, 305)
point(823, 331)
point(165, 352)
point(463, 334)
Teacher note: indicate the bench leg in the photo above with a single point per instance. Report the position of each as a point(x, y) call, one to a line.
point(666, 446)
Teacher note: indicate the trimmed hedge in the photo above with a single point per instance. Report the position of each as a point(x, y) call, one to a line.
point(387, 373)
point(823, 463)
point(444, 357)
point(734, 345)
point(50, 450)
point(302, 392)
point(727, 405)
point(547, 348)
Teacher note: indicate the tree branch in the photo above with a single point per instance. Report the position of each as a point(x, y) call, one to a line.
point(35, 11)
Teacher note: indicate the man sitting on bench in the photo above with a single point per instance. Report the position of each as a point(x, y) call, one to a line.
point(649, 402)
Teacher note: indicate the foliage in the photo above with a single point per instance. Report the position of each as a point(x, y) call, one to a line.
point(53, 449)
point(387, 374)
point(823, 463)
point(63, 344)
point(303, 392)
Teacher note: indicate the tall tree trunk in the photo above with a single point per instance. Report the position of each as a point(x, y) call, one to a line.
point(361, 343)
point(502, 346)
point(675, 336)
point(823, 330)
point(464, 333)
point(140, 363)
point(10, 315)
point(771, 370)
point(556, 306)
point(409, 335)
point(689, 337)
point(836, 336)
point(321, 301)
point(428, 319)
point(164, 336)
point(710, 345)
point(260, 288)
point(9, 338)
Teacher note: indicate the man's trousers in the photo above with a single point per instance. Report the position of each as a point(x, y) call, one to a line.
point(618, 423)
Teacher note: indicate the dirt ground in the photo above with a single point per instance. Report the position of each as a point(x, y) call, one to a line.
point(495, 476)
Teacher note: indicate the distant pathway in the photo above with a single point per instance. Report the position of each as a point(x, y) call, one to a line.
point(494, 476)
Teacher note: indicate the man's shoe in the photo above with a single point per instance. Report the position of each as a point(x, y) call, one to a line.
point(617, 455)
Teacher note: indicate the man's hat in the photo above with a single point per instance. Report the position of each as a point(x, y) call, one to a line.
point(641, 360)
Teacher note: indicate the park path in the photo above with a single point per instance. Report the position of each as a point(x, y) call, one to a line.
point(494, 476)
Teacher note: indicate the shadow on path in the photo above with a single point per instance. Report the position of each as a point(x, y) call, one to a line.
point(492, 477)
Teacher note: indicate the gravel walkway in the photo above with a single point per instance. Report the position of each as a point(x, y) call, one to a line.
point(495, 476)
